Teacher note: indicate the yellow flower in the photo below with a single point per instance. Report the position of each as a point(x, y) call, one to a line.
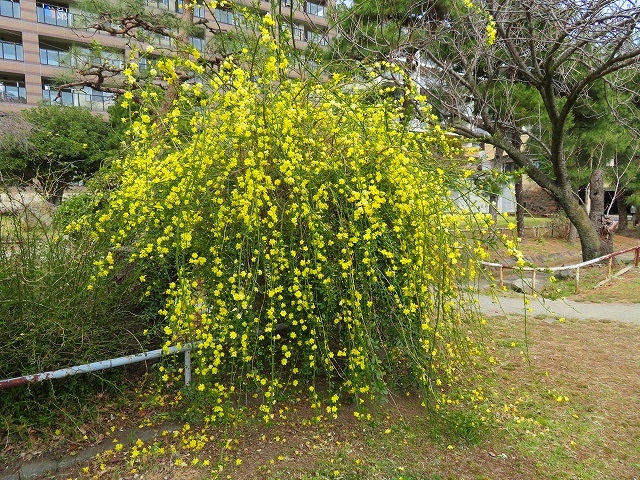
point(268, 20)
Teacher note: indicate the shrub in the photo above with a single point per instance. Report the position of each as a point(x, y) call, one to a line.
point(48, 318)
point(298, 231)
point(73, 208)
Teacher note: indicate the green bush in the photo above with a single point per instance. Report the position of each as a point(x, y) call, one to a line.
point(73, 208)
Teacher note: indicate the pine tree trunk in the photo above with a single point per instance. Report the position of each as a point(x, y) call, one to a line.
point(589, 237)
point(493, 207)
point(623, 211)
point(573, 233)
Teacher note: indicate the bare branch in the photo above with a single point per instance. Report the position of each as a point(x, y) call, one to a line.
point(545, 59)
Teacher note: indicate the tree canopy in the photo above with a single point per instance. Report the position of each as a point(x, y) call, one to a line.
point(61, 144)
point(501, 72)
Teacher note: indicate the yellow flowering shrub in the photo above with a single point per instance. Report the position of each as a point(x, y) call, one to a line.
point(491, 31)
point(296, 231)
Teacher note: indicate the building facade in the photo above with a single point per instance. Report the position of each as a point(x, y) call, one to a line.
point(39, 41)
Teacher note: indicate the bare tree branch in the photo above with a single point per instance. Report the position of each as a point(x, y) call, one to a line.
point(545, 59)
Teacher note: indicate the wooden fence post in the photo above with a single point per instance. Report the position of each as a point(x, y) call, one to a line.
point(533, 280)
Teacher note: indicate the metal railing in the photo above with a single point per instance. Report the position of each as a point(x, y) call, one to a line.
point(54, 14)
point(11, 50)
point(104, 365)
point(10, 8)
point(575, 267)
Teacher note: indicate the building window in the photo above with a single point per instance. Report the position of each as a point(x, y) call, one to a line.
point(298, 32)
point(198, 43)
point(198, 9)
point(316, 38)
point(160, 4)
point(98, 101)
point(162, 41)
point(9, 8)
point(49, 56)
point(78, 57)
point(86, 56)
point(223, 16)
point(53, 14)
point(54, 96)
point(12, 91)
point(145, 64)
point(314, 9)
point(11, 50)
point(509, 167)
point(87, 97)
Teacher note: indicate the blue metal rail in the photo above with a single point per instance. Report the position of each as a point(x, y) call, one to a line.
point(103, 365)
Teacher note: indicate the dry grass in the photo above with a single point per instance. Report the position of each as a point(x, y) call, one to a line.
point(622, 289)
point(595, 364)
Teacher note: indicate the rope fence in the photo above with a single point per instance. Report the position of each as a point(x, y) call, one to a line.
point(609, 257)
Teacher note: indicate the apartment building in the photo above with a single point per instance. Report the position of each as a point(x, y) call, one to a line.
point(40, 40)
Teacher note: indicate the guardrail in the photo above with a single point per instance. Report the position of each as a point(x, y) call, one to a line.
point(104, 365)
point(577, 266)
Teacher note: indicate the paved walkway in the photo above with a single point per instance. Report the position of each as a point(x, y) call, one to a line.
point(618, 312)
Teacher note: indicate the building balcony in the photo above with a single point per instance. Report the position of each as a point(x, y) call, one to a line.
point(12, 90)
point(316, 9)
point(226, 17)
point(51, 14)
point(74, 55)
point(86, 97)
point(9, 8)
